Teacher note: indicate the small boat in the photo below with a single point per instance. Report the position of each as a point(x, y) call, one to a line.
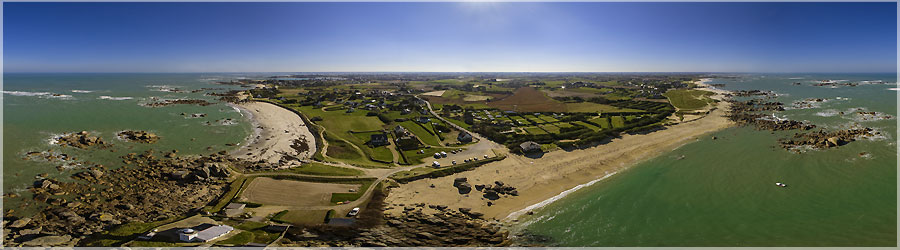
point(780, 184)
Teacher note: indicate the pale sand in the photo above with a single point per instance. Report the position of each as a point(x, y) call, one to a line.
point(435, 93)
point(538, 180)
point(275, 130)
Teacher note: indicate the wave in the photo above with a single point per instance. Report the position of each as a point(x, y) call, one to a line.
point(894, 89)
point(82, 91)
point(106, 97)
point(557, 197)
point(26, 93)
point(827, 113)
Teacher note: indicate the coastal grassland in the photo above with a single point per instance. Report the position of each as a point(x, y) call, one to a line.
point(317, 191)
point(458, 123)
point(339, 126)
point(314, 168)
point(689, 99)
point(382, 154)
point(301, 217)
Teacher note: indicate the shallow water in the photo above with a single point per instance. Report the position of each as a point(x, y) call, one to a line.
point(722, 192)
point(105, 104)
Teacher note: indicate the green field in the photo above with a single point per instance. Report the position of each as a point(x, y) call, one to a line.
point(617, 121)
point(548, 118)
point(602, 121)
point(533, 119)
point(522, 121)
point(689, 99)
point(415, 158)
point(421, 132)
point(535, 130)
point(550, 128)
point(587, 125)
point(381, 153)
point(338, 125)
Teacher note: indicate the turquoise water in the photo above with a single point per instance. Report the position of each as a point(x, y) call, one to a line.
point(722, 192)
point(105, 104)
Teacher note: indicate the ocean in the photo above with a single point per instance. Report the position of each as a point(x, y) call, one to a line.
point(722, 192)
point(38, 107)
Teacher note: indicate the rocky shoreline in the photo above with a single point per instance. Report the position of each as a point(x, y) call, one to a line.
point(822, 139)
point(146, 189)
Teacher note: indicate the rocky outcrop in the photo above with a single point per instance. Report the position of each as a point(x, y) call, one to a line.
point(139, 136)
point(822, 139)
point(81, 140)
point(179, 101)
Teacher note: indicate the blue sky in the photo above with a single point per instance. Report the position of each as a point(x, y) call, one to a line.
point(454, 37)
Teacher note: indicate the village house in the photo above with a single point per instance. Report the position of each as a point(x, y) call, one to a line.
point(380, 139)
point(205, 235)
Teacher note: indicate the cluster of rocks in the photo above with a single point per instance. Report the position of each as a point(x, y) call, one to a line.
point(745, 113)
point(196, 115)
point(835, 84)
point(139, 136)
point(490, 192)
point(808, 103)
point(179, 101)
point(411, 229)
point(822, 139)
point(446, 229)
point(748, 93)
point(146, 189)
point(81, 140)
point(204, 89)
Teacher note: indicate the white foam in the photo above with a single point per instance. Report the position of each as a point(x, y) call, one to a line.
point(26, 93)
point(894, 89)
point(106, 97)
point(555, 198)
point(827, 113)
point(81, 91)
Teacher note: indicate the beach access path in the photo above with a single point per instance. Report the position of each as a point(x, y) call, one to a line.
point(538, 180)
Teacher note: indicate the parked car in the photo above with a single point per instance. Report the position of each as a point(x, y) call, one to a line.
point(353, 212)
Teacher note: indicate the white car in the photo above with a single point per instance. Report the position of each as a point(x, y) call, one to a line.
point(353, 212)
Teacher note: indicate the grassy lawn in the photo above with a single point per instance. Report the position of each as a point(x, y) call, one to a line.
point(590, 107)
point(533, 119)
point(301, 217)
point(383, 153)
point(341, 150)
point(338, 125)
point(587, 125)
point(420, 131)
point(563, 125)
point(239, 239)
point(314, 168)
point(602, 121)
point(233, 189)
point(617, 121)
point(688, 99)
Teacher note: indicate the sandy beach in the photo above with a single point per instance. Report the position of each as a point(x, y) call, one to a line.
point(538, 180)
point(275, 130)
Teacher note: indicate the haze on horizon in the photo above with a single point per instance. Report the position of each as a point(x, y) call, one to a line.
point(450, 37)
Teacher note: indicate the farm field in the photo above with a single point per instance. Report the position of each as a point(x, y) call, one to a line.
point(617, 121)
point(314, 168)
point(421, 132)
point(590, 107)
point(550, 128)
point(587, 125)
point(534, 130)
point(528, 99)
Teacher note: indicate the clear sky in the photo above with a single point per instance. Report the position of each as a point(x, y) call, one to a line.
point(450, 37)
